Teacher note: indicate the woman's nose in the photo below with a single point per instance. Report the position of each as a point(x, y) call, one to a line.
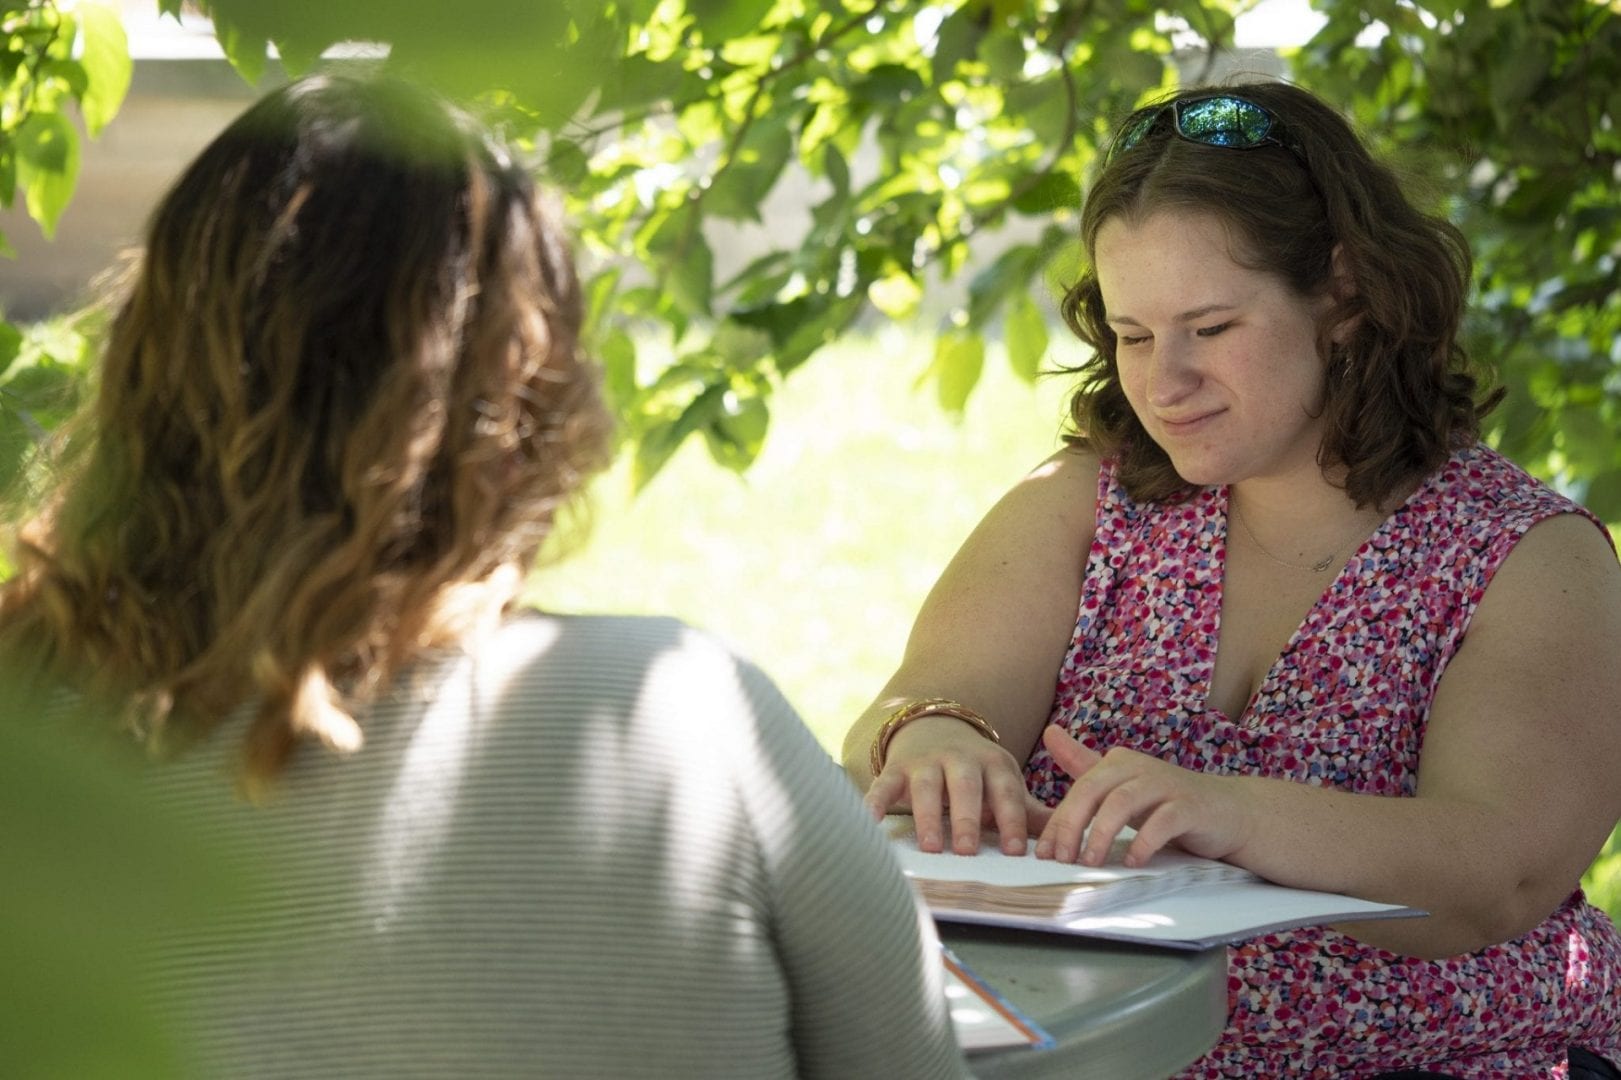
point(1171, 374)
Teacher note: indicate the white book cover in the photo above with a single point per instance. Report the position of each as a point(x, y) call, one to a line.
point(1176, 900)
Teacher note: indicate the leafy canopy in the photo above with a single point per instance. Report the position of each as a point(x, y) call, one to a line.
point(55, 59)
point(919, 129)
point(1515, 110)
point(915, 132)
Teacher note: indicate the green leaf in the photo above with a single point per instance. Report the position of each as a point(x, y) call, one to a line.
point(959, 359)
point(17, 441)
point(247, 52)
point(678, 246)
point(11, 343)
point(781, 319)
point(889, 84)
point(648, 302)
point(721, 20)
point(109, 871)
point(640, 81)
point(1057, 190)
point(1042, 106)
point(47, 166)
point(692, 277)
point(1604, 497)
point(762, 278)
point(44, 393)
point(897, 294)
point(35, 397)
point(566, 164)
point(653, 451)
point(1024, 331)
point(739, 346)
point(1003, 53)
point(1009, 274)
point(618, 353)
point(106, 61)
point(661, 442)
point(1514, 77)
point(8, 172)
point(738, 190)
point(1590, 443)
point(956, 41)
point(737, 435)
point(837, 170)
point(70, 73)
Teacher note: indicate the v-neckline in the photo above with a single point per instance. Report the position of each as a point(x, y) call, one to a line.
point(1208, 668)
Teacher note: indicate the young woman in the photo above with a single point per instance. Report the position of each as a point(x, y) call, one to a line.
point(1276, 604)
point(338, 411)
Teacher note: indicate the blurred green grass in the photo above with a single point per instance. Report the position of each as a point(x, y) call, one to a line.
point(815, 561)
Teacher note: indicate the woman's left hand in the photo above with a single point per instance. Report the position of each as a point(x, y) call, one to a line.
point(1200, 813)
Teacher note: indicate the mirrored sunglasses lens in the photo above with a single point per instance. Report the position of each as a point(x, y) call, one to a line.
point(1136, 130)
point(1224, 121)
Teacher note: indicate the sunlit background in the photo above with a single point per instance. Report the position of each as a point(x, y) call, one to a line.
point(812, 562)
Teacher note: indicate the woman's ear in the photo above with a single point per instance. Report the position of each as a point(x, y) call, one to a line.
point(1344, 292)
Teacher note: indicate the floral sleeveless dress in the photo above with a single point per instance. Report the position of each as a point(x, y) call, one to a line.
point(1344, 706)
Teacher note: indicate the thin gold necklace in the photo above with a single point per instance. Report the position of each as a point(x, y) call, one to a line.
point(1316, 568)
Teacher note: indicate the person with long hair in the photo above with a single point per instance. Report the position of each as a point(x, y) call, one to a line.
point(1276, 603)
point(342, 402)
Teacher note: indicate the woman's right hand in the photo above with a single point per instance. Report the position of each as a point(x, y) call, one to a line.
point(939, 765)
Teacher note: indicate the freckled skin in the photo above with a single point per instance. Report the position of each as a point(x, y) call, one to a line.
point(1219, 361)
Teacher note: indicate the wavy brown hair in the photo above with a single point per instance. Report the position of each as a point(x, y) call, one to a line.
point(1401, 393)
point(340, 404)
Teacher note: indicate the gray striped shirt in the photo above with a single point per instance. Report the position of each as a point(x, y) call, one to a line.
point(591, 847)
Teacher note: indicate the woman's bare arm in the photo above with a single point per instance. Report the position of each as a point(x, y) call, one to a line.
point(991, 634)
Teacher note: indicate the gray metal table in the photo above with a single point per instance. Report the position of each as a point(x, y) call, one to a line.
point(1118, 1012)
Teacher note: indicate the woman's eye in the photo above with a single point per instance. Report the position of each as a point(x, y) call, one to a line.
point(1212, 331)
point(1124, 340)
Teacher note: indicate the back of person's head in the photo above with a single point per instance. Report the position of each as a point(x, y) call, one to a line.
point(339, 406)
point(1311, 206)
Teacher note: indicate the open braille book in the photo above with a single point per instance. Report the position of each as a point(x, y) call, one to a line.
point(1176, 900)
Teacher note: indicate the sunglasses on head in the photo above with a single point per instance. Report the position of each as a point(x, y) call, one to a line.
point(1225, 120)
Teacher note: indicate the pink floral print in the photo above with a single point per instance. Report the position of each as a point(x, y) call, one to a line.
point(1344, 707)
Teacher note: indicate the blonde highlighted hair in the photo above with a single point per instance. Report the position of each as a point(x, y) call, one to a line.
point(340, 405)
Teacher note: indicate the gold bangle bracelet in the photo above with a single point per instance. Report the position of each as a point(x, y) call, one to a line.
point(917, 710)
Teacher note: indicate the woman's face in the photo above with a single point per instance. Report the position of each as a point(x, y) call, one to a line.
point(1218, 361)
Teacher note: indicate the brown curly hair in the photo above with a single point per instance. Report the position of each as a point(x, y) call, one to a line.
point(1401, 393)
point(340, 405)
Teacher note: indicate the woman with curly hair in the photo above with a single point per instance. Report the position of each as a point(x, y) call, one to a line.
point(1277, 604)
point(340, 407)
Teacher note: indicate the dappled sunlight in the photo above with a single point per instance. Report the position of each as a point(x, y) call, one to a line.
point(1142, 921)
point(1576, 967)
point(415, 820)
point(815, 561)
point(701, 858)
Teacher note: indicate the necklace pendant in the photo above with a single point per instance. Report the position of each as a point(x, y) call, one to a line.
point(1322, 564)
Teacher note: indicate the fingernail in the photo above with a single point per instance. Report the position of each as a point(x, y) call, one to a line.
point(1044, 849)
